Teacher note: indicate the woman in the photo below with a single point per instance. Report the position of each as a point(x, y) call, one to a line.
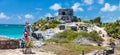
point(27, 38)
point(27, 44)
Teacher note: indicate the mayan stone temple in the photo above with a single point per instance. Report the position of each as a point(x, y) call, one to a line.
point(65, 15)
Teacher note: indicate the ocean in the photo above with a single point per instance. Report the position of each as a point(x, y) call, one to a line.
point(11, 30)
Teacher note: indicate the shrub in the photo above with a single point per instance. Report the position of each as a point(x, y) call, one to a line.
point(53, 40)
point(70, 36)
point(113, 29)
point(83, 34)
point(31, 44)
point(52, 25)
point(55, 22)
point(64, 40)
point(42, 22)
point(95, 37)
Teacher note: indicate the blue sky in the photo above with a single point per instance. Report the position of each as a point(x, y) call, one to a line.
point(20, 11)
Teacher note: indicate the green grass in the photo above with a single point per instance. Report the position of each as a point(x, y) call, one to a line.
point(80, 48)
point(42, 22)
point(70, 49)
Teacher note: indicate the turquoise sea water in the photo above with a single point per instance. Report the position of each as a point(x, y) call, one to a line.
point(11, 30)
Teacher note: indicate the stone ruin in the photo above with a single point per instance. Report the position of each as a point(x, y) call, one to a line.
point(62, 27)
point(65, 16)
point(9, 44)
point(74, 28)
point(84, 28)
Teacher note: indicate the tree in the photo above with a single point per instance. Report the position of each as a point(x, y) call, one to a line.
point(79, 19)
point(113, 29)
point(92, 21)
point(47, 18)
point(97, 20)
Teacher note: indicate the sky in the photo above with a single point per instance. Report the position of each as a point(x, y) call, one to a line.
point(20, 11)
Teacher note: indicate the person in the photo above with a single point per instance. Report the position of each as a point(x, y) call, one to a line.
point(27, 43)
point(22, 43)
point(27, 28)
point(27, 36)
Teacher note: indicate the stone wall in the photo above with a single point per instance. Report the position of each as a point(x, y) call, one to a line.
point(66, 11)
point(66, 15)
point(9, 44)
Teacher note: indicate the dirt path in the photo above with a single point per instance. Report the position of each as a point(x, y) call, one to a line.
point(106, 37)
point(106, 41)
point(92, 53)
point(19, 52)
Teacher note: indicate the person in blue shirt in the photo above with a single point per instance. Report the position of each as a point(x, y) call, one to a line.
point(27, 28)
point(27, 36)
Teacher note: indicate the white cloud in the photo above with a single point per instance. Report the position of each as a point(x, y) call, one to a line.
point(100, 1)
point(48, 15)
point(56, 6)
point(56, 14)
point(76, 7)
point(29, 16)
point(89, 2)
point(19, 17)
point(109, 7)
point(41, 17)
point(3, 16)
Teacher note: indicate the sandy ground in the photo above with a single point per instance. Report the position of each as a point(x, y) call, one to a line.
point(3, 38)
point(37, 51)
point(106, 37)
point(19, 52)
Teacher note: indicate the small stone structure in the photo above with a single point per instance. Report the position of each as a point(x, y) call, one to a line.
point(9, 44)
point(65, 16)
point(62, 27)
point(49, 33)
point(74, 28)
point(84, 28)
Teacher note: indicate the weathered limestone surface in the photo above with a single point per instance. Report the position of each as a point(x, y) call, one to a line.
point(9, 44)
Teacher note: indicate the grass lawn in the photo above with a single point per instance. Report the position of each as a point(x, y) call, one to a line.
point(70, 49)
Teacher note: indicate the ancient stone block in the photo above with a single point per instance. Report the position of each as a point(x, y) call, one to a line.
point(9, 44)
point(62, 27)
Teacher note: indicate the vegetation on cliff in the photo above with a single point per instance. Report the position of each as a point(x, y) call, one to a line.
point(44, 24)
point(70, 49)
point(113, 28)
point(96, 21)
point(69, 36)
